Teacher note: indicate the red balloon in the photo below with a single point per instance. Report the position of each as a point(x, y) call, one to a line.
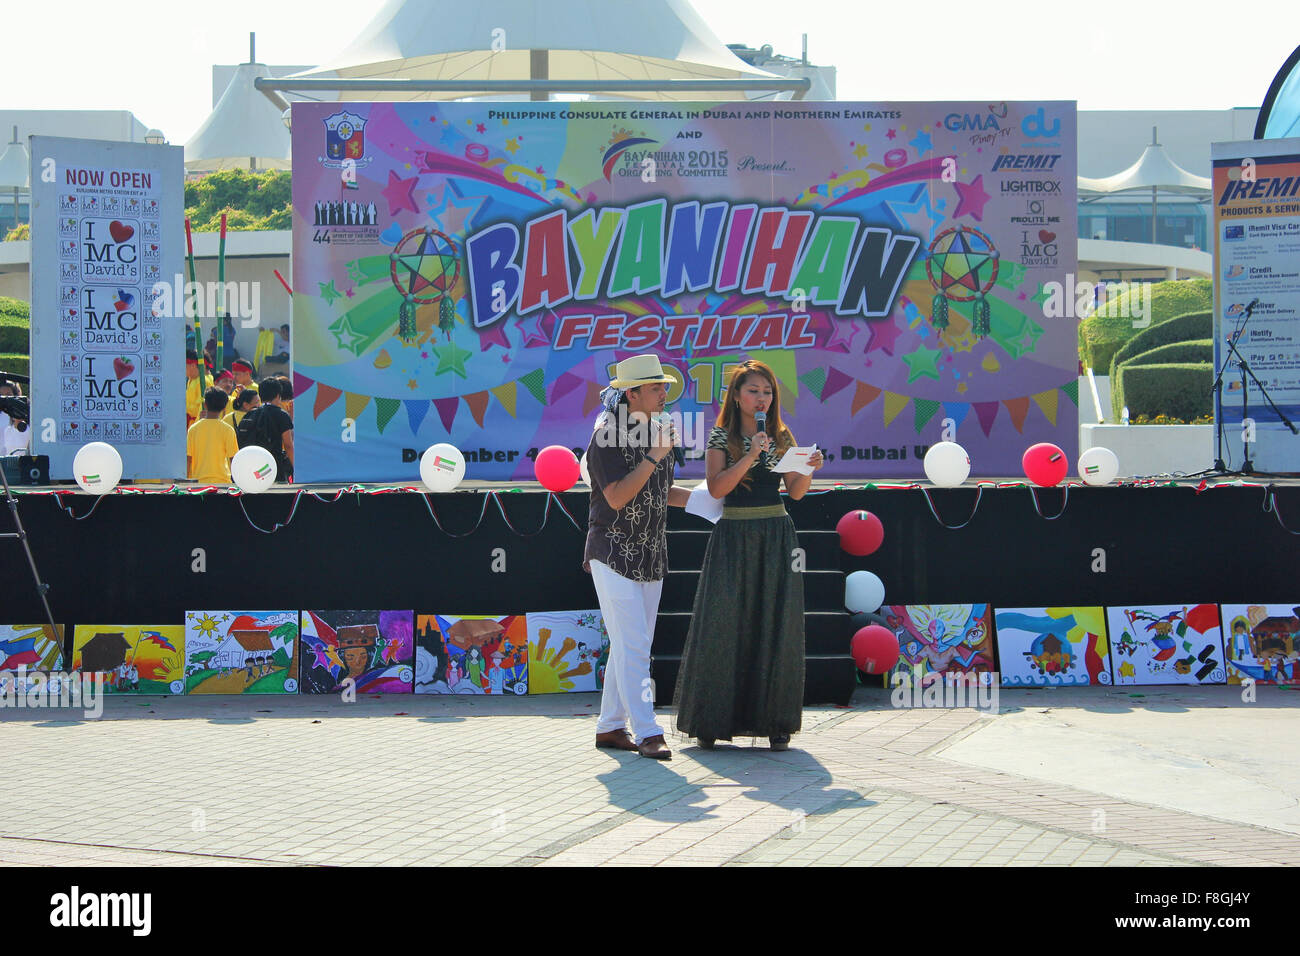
point(874, 649)
point(557, 468)
point(860, 532)
point(1045, 464)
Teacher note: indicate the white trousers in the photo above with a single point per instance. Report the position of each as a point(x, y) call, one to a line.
point(629, 609)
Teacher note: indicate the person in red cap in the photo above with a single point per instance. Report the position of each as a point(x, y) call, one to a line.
point(225, 381)
point(243, 373)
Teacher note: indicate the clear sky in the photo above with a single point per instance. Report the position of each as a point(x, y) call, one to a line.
point(154, 57)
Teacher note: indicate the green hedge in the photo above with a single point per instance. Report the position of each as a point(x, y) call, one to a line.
point(1178, 390)
point(251, 200)
point(14, 309)
point(13, 338)
point(1191, 327)
point(1200, 350)
point(1101, 335)
point(17, 364)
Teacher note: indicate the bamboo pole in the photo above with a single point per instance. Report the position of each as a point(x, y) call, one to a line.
point(198, 322)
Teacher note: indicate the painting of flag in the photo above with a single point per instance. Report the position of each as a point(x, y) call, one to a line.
point(472, 654)
point(567, 651)
point(241, 652)
point(371, 652)
point(1262, 642)
point(134, 659)
point(1052, 646)
point(1166, 644)
point(27, 648)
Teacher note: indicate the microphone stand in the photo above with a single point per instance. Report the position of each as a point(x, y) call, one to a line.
point(1247, 467)
point(1217, 390)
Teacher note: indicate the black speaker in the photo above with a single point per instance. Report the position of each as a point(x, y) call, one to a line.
point(27, 469)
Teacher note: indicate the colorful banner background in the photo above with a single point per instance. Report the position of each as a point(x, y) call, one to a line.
point(397, 345)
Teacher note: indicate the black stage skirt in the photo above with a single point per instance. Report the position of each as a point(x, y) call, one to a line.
point(742, 670)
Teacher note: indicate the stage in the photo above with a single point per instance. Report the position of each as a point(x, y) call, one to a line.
point(146, 554)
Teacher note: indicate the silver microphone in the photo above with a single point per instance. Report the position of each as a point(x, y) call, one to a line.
point(760, 419)
point(666, 421)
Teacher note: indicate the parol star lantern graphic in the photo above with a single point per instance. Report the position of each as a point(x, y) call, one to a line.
point(424, 266)
point(962, 265)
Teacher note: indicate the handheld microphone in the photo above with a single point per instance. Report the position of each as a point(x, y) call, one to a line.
point(679, 456)
point(760, 419)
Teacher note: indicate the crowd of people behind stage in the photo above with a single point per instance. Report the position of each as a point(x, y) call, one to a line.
point(214, 417)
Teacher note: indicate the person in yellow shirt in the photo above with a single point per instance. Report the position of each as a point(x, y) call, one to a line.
point(210, 443)
point(243, 403)
point(193, 397)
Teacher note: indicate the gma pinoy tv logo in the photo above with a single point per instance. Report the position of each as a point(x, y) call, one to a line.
point(650, 247)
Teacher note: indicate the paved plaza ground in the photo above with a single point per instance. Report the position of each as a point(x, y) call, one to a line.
point(1086, 777)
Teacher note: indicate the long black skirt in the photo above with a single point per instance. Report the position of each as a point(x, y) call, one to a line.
point(742, 670)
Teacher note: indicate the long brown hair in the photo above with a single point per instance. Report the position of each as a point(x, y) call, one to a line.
point(729, 416)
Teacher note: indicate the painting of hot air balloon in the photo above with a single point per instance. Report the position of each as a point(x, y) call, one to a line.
point(1167, 644)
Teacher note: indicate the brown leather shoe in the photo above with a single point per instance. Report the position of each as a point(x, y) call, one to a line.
point(616, 740)
point(655, 748)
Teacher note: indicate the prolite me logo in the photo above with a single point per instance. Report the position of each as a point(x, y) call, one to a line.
point(102, 909)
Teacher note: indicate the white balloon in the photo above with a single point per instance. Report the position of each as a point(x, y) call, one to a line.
point(1098, 466)
point(582, 467)
point(253, 469)
point(947, 464)
point(97, 468)
point(442, 466)
point(863, 592)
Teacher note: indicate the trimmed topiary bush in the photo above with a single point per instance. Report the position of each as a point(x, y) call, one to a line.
point(15, 321)
point(17, 364)
point(1194, 326)
point(1103, 333)
point(1179, 390)
point(1201, 350)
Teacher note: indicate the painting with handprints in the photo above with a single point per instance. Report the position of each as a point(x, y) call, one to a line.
point(567, 651)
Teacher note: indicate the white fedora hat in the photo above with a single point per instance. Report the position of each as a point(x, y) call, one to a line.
point(639, 370)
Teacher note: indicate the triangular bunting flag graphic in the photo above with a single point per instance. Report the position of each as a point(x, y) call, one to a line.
point(815, 379)
point(447, 408)
point(835, 380)
point(925, 409)
point(987, 413)
point(301, 383)
point(1071, 390)
point(865, 395)
point(592, 400)
point(506, 395)
point(1047, 402)
point(563, 386)
point(385, 409)
point(957, 411)
point(477, 403)
point(416, 409)
point(326, 395)
point(787, 399)
point(355, 405)
point(893, 405)
point(1019, 408)
point(535, 382)
point(782, 364)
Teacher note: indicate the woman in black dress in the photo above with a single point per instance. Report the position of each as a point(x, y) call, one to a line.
point(742, 670)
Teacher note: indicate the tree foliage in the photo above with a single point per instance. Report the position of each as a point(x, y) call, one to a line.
point(251, 200)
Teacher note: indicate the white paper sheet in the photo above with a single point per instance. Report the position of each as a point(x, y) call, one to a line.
point(704, 504)
point(796, 459)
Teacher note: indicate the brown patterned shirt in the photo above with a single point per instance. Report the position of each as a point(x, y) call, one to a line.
point(632, 541)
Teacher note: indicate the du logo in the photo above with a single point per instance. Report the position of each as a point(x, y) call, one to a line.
point(345, 139)
point(1035, 125)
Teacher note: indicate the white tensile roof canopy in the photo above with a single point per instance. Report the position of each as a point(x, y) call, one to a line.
point(586, 41)
point(244, 130)
point(1154, 170)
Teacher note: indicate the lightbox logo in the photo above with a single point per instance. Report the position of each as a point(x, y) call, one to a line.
point(620, 147)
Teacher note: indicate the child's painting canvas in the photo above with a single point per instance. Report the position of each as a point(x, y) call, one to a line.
point(472, 654)
point(1166, 644)
point(1262, 643)
point(567, 651)
point(133, 659)
point(241, 652)
point(27, 649)
point(1052, 646)
point(936, 639)
point(375, 650)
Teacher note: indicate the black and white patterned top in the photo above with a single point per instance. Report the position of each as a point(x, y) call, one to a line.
point(632, 541)
point(764, 486)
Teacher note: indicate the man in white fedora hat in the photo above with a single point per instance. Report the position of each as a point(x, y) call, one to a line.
point(630, 460)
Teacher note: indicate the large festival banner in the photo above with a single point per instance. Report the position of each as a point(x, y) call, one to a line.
point(107, 344)
point(1257, 298)
point(470, 273)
